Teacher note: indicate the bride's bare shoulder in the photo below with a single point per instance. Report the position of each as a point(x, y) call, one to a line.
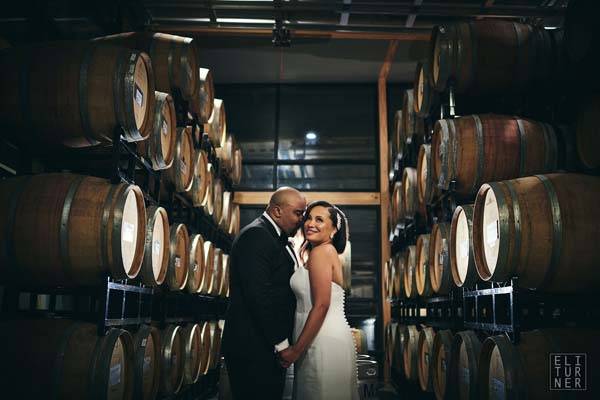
point(323, 251)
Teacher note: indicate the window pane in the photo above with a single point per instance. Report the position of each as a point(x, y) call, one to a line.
point(328, 177)
point(343, 117)
point(256, 177)
point(250, 114)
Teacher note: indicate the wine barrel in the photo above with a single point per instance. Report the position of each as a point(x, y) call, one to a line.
point(462, 258)
point(523, 371)
point(236, 173)
point(68, 230)
point(234, 226)
point(226, 209)
point(588, 134)
point(62, 359)
point(159, 148)
point(442, 344)
point(197, 268)
point(463, 371)
point(192, 344)
point(409, 127)
point(535, 227)
point(410, 264)
point(179, 259)
point(216, 127)
point(202, 101)
point(224, 289)
point(226, 152)
point(207, 204)
point(181, 173)
point(410, 200)
point(425, 96)
point(426, 188)
point(410, 352)
point(396, 202)
point(399, 260)
point(174, 59)
point(156, 249)
point(205, 349)
point(76, 93)
point(476, 149)
point(209, 264)
point(425, 358)
point(493, 57)
point(440, 274)
point(200, 178)
point(397, 146)
point(397, 356)
point(217, 275)
point(216, 330)
point(422, 269)
point(217, 200)
point(146, 356)
point(389, 278)
point(172, 360)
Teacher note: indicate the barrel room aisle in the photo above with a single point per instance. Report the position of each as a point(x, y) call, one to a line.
point(459, 138)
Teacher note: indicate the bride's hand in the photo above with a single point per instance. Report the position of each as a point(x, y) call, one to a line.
point(288, 356)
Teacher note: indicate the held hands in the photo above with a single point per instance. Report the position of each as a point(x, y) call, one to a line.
point(288, 356)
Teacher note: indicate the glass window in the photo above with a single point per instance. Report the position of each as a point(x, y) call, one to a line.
point(250, 114)
point(256, 177)
point(328, 122)
point(328, 177)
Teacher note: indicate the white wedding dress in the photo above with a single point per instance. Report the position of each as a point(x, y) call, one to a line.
point(327, 370)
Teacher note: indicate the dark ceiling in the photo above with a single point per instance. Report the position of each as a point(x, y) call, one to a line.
point(331, 41)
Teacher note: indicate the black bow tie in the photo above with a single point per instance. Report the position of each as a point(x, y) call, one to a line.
point(283, 239)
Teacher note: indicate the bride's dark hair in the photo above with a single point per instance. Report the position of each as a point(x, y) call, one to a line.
point(340, 223)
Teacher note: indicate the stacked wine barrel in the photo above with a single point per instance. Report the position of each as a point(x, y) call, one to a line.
point(76, 227)
point(487, 197)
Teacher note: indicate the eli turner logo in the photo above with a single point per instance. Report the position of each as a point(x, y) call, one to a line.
point(568, 371)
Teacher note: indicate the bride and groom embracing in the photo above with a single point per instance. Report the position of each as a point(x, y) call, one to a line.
point(275, 297)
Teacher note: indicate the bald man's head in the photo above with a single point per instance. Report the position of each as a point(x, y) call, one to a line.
point(286, 208)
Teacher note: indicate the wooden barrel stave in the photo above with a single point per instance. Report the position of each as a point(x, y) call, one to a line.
point(159, 148)
point(463, 372)
point(440, 273)
point(181, 173)
point(442, 344)
point(205, 347)
point(197, 268)
point(536, 228)
point(200, 179)
point(179, 259)
point(82, 363)
point(422, 269)
point(410, 201)
point(146, 353)
point(216, 127)
point(202, 101)
point(410, 262)
point(172, 361)
point(48, 211)
point(425, 358)
point(192, 345)
point(209, 262)
point(156, 253)
point(462, 258)
point(410, 353)
point(425, 96)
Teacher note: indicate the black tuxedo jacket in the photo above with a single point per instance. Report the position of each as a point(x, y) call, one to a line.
point(261, 304)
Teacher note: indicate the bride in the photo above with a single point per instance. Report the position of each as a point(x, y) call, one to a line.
point(323, 353)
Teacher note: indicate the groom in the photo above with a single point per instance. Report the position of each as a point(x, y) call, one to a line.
point(260, 316)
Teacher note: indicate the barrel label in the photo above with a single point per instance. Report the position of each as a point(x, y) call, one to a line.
point(463, 249)
point(128, 232)
point(156, 247)
point(441, 259)
point(174, 360)
point(188, 71)
point(115, 375)
point(182, 165)
point(427, 358)
point(165, 128)
point(147, 362)
point(195, 267)
point(492, 233)
point(177, 262)
point(444, 365)
point(144, 341)
point(139, 95)
point(497, 388)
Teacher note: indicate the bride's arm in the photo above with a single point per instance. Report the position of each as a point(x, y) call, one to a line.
point(320, 273)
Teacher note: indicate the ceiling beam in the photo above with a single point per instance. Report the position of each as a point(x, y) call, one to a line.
point(297, 33)
point(338, 198)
